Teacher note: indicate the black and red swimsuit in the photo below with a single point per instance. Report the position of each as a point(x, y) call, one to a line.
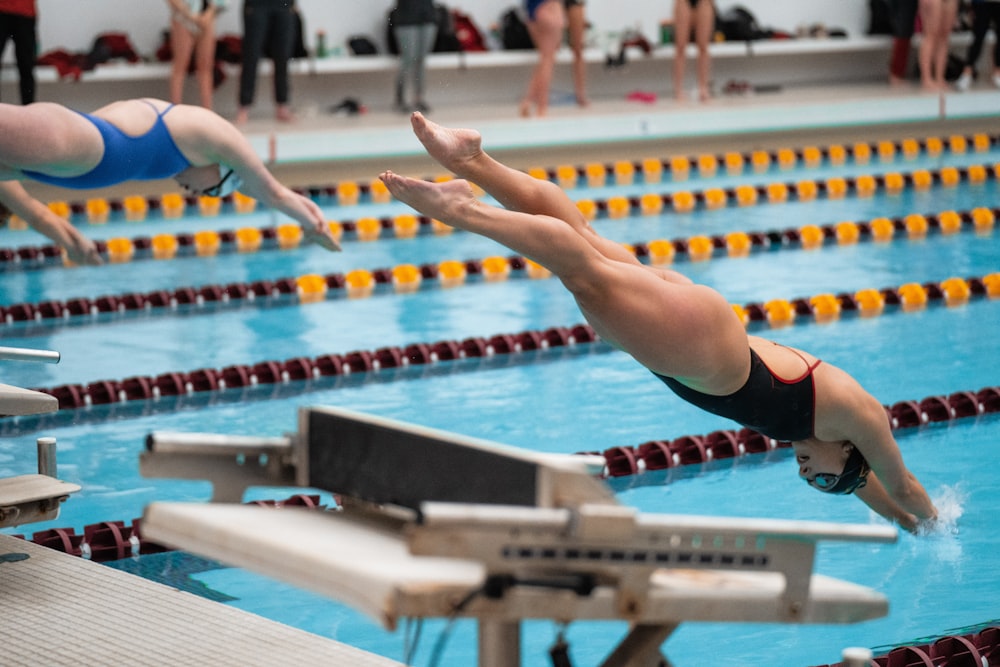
point(780, 409)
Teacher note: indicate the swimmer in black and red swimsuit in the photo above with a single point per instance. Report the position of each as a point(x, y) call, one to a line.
point(685, 333)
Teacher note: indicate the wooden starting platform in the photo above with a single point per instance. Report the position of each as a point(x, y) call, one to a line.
point(437, 525)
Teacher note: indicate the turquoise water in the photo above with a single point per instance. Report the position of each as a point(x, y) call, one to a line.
point(584, 398)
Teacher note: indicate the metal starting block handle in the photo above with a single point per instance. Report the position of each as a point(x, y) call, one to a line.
point(21, 354)
point(231, 463)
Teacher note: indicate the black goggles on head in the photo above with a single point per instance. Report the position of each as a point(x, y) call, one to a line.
point(854, 476)
point(217, 189)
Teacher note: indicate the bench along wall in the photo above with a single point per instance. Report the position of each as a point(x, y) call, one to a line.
point(495, 78)
point(73, 24)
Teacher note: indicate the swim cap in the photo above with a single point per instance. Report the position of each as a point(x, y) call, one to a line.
point(854, 477)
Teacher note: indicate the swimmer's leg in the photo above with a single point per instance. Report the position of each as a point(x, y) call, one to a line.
point(461, 152)
point(42, 134)
point(651, 319)
point(541, 238)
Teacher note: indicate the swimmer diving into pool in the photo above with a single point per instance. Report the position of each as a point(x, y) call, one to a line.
point(688, 335)
point(142, 139)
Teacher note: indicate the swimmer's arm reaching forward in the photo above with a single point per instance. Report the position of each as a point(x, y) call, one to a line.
point(79, 249)
point(207, 138)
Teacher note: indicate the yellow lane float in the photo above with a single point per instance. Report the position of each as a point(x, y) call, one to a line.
point(588, 207)
point(172, 205)
point(661, 252)
point(164, 246)
point(405, 226)
point(98, 211)
point(359, 283)
point(496, 268)
point(825, 307)
point(451, 273)
point(207, 243)
point(652, 170)
point(683, 201)
point(956, 291)
point(949, 222)
point(779, 312)
point(368, 229)
point(883, 229)
point(248, 239)
point(651, 204)
point(715, 198)
point(870, 302)
point(311, 288)
point(120, 250)
point(406, 278)
point(700, 248)
point(348, 193)
point(289, 236)
point(912, 296)
point(618, 207)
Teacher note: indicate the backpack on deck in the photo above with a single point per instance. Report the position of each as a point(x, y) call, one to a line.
point(737, 24)
point(513, 31)
point(446, 40)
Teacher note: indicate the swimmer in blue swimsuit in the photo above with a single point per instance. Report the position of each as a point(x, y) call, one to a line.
point(142, 140)
point(687, 334)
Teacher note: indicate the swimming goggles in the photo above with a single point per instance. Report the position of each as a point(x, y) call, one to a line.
point(228, 183)
point(854, 476)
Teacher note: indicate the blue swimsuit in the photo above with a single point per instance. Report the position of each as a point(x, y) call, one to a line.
point(532, 6)
point(148, 157)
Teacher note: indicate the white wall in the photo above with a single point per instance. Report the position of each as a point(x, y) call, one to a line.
point(73, 24)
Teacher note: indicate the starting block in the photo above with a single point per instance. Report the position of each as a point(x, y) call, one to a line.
point(433, 524)
point(31, 498)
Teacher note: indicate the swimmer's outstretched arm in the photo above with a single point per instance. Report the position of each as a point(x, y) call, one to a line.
point(211, 139)
point(874, 495)
point(849, 413)
point(79, 249)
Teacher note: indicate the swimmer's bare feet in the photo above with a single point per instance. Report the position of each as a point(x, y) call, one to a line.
point(445, 201)
point(452, 148)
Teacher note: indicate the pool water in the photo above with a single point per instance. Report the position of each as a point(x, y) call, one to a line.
point(581, 398)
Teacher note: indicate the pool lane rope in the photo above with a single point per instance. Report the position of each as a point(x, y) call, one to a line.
point(910, 297)
point(408, 278)
point(209, 243)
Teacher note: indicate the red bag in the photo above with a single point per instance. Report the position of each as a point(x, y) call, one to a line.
point(469, 36)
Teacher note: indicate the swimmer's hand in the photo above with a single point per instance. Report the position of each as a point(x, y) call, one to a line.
point(80, 250)
point(321, 235)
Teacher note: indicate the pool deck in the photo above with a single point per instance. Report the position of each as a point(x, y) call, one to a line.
point(64, 610)
point(361, 146)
